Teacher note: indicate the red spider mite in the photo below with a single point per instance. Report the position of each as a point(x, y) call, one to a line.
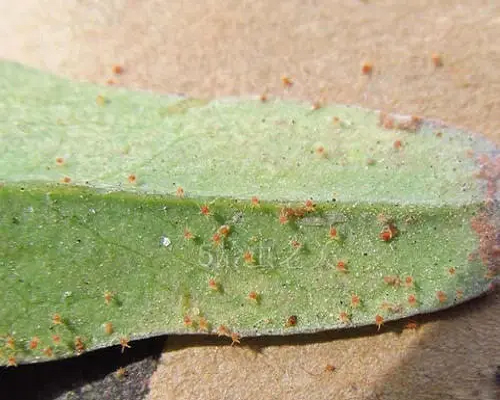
point(412, 300)
point(203, 324)
point(286, 81)
point(204, 210)
point(179, 192)
point(235, 338)
point(187, 321)
point(441, 296)
point(248, 257)
point(117, 69)
point(216, 238)
point(108, 296)
point(341, 266)
point(291, 321)
point(253, 295)
point(367, 68)
point(344, 317)
point(34, 343)
point(124, 343)
point(437, 60)
point(224, 230)
point(411, 325)
point(48, 352)
point(108, 328)
point(56, 319)
point(79, 345)
point(212, 284)
point(132, 178)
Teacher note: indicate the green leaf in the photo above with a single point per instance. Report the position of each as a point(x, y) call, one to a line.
point(129, 214)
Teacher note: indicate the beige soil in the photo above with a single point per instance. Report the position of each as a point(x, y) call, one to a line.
point(241, 47)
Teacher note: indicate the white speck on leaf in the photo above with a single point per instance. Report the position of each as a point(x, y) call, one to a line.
point(165, 241)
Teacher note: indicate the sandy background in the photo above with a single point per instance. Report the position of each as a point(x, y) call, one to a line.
point(221, 48)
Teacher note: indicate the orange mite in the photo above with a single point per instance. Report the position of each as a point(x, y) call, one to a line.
point(117, 69)
point(132, 178)
point(108, 297)
point(59, 161)
point(124, 343)
point(344, 317)
point(341, 266)
point(216, 239)
point(48, 352)
point(187, 234)
point(379, 321)
point(452, 270)
point(286, 81)
point(79, 345)
point(309, 205)
point(263, 97)
point(100, 100)
point(11, 362)
point(291, 321)
point(224, 230)
point(212, 284)
point(441, 296)
point(34, 343)
point(320, 151)
point(121, 373)
point(295, 244)
point(255, 201)
point(397, 144)
point(248, 257)
point(388, 233)
point(253, 296)
point(56, 339)
point(392, 280)
point(283, 218)
point(108, 328)
point(330, 368)
point(367, 68)
point(411, 325)
point(204, 210)
point(235, 337)
point(66, 179)
point(10, 343)
point(333, 233)
point(223, 330)
point(355, 300)
point(412, 300)
point(179, 192)
point(316, 105)
point(437, 60)
point(56, 319)
point(188, 321)
point(408, 281)
point(203, 324)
